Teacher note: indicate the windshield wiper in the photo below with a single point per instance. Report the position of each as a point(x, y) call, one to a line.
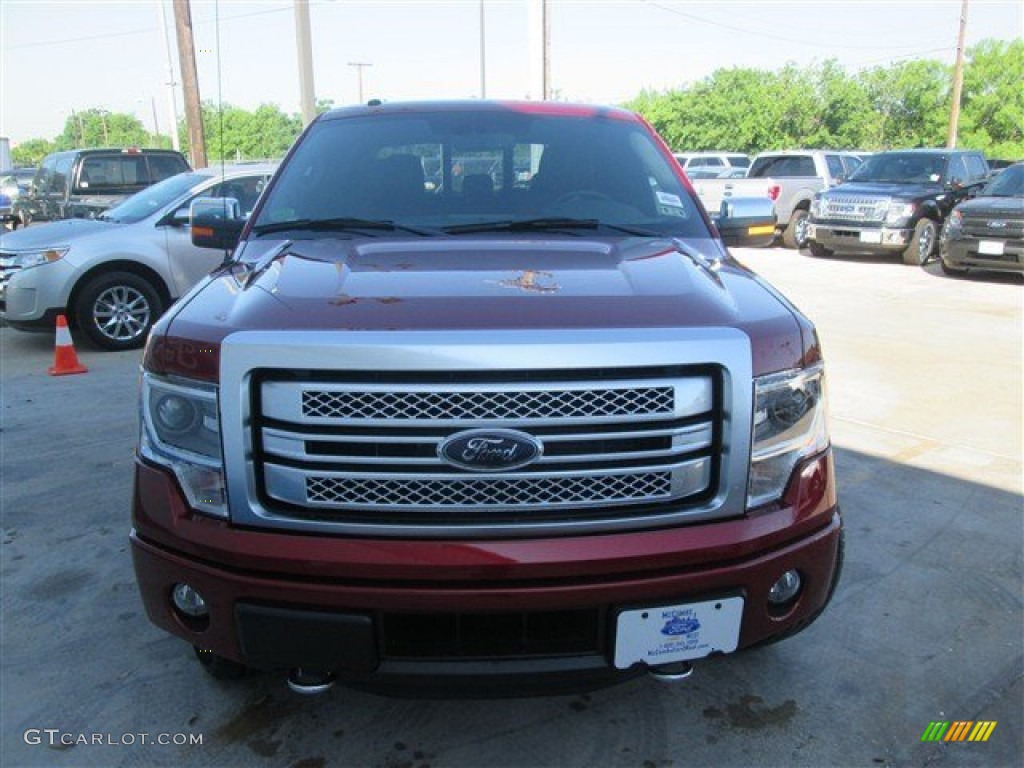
point(523, 225)
point(546, 224)
point(340, 224)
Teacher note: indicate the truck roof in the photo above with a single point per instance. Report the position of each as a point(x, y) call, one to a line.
point(476, 105)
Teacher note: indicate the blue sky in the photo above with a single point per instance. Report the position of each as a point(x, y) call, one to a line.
point(76, 54)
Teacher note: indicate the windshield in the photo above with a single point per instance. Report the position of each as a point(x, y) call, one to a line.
point(154, 198)
point(1009, 183)
point(906, 167)
point(462, 171)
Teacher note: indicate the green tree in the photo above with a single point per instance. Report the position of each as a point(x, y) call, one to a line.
point(31, 152)
point(992, 103)
point(234, 134)
point(98, 127)
point(910, 101)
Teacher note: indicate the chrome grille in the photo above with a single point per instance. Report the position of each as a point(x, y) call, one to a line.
point(8, 268)
point(854, 207)
point(346, 450)
point(994, 227)
point(487, 404)
point(486, 492)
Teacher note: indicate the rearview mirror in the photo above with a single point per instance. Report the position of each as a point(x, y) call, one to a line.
point(747, 221)
point(216, 222)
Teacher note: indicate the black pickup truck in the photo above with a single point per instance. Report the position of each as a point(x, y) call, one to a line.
point(895, 202)
point(82, 183)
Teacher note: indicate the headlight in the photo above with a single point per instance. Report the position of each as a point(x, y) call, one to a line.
point(898, 211)
point(954, 224)
point(816, 207)
point(26, 259)
point(789, 424)
point(180, 430)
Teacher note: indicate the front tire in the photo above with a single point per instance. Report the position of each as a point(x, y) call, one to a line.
point(952, 271)
point(819, 251)
point(926, 235)
point(795, 234)
point(117, 309)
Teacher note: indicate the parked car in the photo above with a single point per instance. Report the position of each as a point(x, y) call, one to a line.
point(718, 160)
point(790, 179)
point(82, 183)
point(501, 439)
point(895, 202)
point(987, 232)
point(711, 172)
point(14, 184)
point(115, 274)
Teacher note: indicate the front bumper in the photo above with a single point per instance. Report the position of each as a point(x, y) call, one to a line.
point(31, 298)
point(426, 615)
point(856, 237)
point(966, 253)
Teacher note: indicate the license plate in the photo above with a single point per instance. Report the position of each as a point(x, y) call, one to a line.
point(871, 237)
point(669, 633)
point(991, 247)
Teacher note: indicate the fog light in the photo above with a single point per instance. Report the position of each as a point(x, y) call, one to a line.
point(785, 589)
point(189, 602)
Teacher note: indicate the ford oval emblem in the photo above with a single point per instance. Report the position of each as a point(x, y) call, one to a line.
point(490, 450)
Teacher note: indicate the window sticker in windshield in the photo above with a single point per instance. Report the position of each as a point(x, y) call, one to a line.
point(666, 198)
point(670, 204)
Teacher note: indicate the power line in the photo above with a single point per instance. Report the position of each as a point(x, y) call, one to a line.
point(139, 31)
point(770, 36)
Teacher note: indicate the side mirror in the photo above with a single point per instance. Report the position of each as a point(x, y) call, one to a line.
point(747, 221)
point(216, 222)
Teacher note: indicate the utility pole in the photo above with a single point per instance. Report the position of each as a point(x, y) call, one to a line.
point(172, 102)
point(539, 49)
point(360, 65)
point(156, 123)
point(483, 55)
point(307, 91)
point(958, 79)
point(190, 83)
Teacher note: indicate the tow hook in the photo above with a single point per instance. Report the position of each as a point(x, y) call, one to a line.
point(310, 682)
point(672, 673)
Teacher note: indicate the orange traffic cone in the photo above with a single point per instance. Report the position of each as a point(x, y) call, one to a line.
point(65, 360)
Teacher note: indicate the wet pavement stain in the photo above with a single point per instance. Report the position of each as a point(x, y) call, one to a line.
point(260, 714)
point(581, 704)
point(310, 762)
point(59, 584)
point(749, 713)
point(264, 747)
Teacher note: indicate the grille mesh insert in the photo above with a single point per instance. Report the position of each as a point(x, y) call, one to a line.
point(440, 406)
point(489, 492)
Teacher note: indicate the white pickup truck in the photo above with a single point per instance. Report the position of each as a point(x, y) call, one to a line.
point(790, 178)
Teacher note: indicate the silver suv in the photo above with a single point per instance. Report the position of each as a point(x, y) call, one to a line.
point(114, 275)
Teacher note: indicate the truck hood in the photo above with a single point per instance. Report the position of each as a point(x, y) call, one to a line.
point(1012, 207)
point(53, 234)
point(888, 189)
point(487, 284)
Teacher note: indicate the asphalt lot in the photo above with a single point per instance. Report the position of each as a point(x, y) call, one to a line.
point(927, 624)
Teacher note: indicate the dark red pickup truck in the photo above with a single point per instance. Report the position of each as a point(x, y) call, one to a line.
point(482, 404)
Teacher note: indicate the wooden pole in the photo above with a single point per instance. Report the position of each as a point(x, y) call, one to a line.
point(190, 83)
point(958, 79)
